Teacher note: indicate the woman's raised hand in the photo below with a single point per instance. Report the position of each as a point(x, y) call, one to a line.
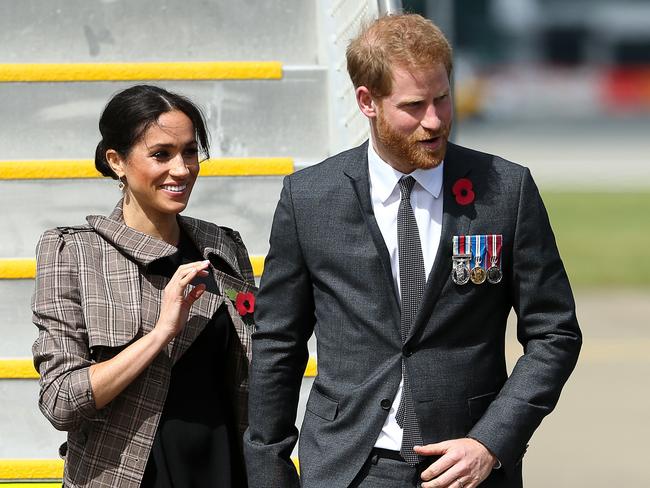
point(176, 301)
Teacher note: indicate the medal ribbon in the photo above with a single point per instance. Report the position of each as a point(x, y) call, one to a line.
point(494, 250)
point(478, 243)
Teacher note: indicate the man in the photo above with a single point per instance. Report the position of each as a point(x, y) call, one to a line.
point(405, 256)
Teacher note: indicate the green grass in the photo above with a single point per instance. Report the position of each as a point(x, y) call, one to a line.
point(604, 238)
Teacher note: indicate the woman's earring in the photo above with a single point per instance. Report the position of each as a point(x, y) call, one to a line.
point(121, 185)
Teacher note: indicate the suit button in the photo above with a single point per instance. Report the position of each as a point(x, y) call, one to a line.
point(385, 404)
point(407, 351)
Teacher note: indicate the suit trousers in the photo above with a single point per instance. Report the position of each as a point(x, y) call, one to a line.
point(381, 472)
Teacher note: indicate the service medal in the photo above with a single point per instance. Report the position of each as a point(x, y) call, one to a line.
point(461, 258)
point(494, 273)
point(460, 272)
point(478, 274)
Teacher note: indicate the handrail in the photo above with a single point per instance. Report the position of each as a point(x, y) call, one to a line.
point(389, 6)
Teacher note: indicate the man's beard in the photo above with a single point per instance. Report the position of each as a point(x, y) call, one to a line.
point(407, 150)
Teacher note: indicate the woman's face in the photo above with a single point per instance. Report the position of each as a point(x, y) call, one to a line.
point(162, 167)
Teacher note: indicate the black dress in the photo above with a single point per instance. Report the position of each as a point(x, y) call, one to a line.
point(195, 444)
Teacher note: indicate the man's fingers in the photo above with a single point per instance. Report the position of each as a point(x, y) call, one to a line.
point(437, 449)
point(448, 479)
point(438, 467)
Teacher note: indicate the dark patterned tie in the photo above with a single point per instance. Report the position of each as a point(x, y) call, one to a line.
point(412, 278)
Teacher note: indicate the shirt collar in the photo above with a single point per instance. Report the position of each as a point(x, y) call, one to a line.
point(384, 178)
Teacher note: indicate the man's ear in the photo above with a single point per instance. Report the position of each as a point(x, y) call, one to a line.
point(366, 103)
point(115, 162)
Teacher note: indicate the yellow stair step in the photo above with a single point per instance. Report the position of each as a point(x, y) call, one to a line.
point(23, 369)
point(215, 70)
point(38, 469)
point(85, 168)
point(31, 469)
point(25, 268)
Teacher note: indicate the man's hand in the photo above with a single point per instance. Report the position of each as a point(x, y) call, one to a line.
point(464, 464)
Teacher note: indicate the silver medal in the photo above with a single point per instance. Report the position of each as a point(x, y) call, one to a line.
point(460, 270)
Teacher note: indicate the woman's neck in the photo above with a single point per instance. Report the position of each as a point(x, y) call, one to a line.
point(161, 226)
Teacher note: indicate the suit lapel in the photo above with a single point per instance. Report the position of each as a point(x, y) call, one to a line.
point(455, 221)
point(357, 171)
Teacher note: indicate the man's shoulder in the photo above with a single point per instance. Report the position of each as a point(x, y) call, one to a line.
point(482, 159)
point(350, 161)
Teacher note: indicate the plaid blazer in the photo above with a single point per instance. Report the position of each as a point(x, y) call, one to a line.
point(94, 296)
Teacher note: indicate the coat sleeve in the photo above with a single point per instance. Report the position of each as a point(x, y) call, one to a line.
point(284, 318)
point(61, 352)
point(546, 327)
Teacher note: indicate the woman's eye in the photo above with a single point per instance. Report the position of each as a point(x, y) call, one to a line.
point(161, 155)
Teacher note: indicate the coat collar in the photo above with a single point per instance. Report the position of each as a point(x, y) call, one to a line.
point(142, 248)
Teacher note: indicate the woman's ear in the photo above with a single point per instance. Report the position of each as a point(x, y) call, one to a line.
point(365, 102)
point(116, 162)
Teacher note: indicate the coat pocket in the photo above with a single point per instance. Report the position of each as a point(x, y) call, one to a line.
point(322, 406)
point(479, 404)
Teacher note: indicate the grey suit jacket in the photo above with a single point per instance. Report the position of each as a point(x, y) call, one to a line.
point(93, 297)
point(328, 271)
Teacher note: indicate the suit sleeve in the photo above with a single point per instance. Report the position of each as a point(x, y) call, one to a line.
point(546, 327)
point(284, 317)
point(61, 352)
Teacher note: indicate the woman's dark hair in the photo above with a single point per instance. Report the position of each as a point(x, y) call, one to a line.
point(130, 113)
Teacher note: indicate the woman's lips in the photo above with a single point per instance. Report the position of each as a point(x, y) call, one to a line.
point(174, 190)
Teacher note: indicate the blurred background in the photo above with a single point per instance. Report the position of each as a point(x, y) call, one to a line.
point(564, 88)
point(561, 87)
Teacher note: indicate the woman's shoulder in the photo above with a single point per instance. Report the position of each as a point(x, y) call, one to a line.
point(61, 241)
point(67, 233)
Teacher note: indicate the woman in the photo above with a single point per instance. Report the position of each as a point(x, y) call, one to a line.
point(144, 316)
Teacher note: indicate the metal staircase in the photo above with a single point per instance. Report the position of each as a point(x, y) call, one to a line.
point(270, 77)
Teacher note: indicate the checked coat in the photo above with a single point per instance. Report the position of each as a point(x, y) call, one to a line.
point(93, 297)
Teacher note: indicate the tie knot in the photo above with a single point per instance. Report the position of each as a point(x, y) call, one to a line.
point(405, 186)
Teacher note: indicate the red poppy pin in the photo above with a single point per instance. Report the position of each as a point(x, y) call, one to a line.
point(463, 191)
point(244, 301)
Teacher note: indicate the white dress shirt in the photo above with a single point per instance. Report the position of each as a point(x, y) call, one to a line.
point(426, 200)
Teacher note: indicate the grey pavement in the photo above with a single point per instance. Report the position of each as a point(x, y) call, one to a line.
point(598, 435)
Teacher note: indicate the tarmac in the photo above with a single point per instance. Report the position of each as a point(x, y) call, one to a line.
point(598, 435)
